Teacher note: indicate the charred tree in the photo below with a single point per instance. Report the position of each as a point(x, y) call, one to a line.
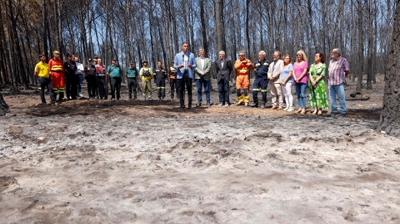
point(390, 116)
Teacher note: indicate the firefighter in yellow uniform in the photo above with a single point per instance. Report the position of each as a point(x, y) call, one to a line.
point(42, 72)
point(146, 74)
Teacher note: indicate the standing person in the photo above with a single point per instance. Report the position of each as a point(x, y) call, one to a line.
point(94, 63)
point(71, 78)
point(243, 67)
point(160, 76)
point(185, 63)
point(202, 76)
point(287, 82)
point(274, 72)
point(224, 69)
point(114, 71)
point(146, 74)
point(90, 76)
point(57, 75)
point(317, 87)
point(101, 80)
point(172, 81)
point(79, 75)
point(338, 71)
point(132, 74)
point(42, 72)
point(95, 60)
point(261, 81)
point(300, 68)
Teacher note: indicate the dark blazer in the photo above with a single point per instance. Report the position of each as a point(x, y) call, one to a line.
point(225, 70)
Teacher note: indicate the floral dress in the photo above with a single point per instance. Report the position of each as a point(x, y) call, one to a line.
point(318, 97)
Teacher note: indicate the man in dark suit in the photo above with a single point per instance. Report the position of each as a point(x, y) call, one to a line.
point(224, 68)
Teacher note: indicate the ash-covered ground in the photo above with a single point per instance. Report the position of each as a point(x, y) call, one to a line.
point(91, 161)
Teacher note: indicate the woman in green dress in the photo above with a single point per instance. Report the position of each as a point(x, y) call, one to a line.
point(317, 86)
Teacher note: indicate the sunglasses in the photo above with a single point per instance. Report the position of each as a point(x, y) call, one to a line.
point(241, 55)
point(298, 55)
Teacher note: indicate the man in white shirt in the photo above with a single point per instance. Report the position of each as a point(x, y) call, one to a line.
point(202, 76)
point(274, 73)
point(79, 75)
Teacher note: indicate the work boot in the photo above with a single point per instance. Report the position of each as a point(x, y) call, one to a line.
point(61, 97)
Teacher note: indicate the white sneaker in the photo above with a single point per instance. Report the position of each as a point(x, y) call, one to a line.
point(80, 95)
point(286, 108)
point(246, 104)
point(290, 109)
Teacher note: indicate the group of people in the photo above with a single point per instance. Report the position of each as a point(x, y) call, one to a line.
point(278, 75)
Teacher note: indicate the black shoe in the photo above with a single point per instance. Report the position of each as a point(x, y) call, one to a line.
point(198, 105)
point(343, 115)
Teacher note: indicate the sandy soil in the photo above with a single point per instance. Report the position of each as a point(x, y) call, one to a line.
point(150, 162)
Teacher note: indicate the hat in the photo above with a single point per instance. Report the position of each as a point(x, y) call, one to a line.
point(131, 63)
point(89, 59)
point(56, 52)
point(69, 55)
point(144, 61)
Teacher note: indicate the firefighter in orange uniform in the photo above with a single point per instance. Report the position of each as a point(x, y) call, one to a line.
point(243, 66)
point(57, 75)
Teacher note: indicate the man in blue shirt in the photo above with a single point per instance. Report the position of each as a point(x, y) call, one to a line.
point(185, 63)
point(132, 74)
point(115, 72)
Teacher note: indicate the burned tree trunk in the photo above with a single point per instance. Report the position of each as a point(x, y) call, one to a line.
point(3, 106)
point(390, 116)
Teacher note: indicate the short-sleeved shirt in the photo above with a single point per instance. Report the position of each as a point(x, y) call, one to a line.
point(115, 71)
point(285, 73)
point(131, 72)
point(298, 69)
point(337, 70)
point(43, 69)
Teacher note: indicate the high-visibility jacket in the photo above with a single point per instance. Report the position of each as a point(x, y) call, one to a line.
point(172, 72)
point(56, 65)
point(160, 74)
point(146, 73)
point(242, 68)
point(261, 69)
